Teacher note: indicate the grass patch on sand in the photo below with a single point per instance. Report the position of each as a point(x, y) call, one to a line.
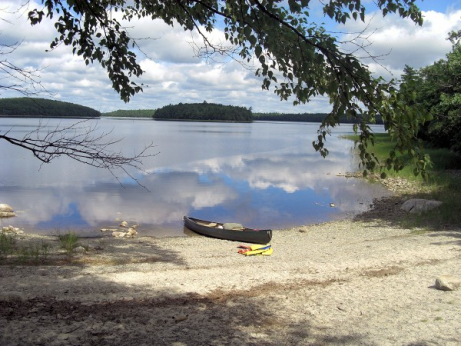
point(61, 250)
point(7, 245)
point(15, 251)
point(444, 184)
point(11, 252)
point(69, 242)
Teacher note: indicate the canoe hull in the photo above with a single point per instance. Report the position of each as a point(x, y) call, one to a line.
point(246, 235)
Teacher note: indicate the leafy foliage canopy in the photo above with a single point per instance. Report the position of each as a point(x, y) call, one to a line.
point(437, 88)
point(297, 57)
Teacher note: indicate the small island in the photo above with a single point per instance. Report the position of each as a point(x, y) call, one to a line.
point(204, 112)
point(38, 107)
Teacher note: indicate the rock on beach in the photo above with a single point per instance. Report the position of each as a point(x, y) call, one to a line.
point(6, 211)
point(12, 230)
point(447, 283)
point(417, 205)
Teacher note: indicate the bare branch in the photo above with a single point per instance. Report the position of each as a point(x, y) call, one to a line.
point(361, 40)
point(12, 77)
point(80, 142)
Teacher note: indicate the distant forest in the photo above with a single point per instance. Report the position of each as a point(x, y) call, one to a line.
point(204, 112)
point(37, 107)
point(217, 112)
point(306, 117)
point(132, 113)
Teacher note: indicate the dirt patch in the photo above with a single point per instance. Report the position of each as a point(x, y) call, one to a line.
point(387, 208)
point(379, 273)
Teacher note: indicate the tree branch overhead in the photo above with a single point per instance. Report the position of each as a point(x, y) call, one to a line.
point(296, 57)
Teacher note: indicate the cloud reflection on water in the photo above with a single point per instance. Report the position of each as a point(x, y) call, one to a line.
point(282, 183)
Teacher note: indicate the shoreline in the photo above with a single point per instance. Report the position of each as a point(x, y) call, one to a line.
point(360, 281)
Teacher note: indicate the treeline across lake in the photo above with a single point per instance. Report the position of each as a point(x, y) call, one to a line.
point(131, 113)
point(37, 107)
point(301, 117)
point(204, 112)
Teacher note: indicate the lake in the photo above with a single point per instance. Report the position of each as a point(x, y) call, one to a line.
point(261, 174)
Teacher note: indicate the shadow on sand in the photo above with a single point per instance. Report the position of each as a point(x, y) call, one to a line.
point(135, 314)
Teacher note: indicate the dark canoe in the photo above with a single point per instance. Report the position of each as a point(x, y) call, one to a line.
point(217, 230)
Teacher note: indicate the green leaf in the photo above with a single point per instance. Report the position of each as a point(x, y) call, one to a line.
point(258, 51)
point(280, 34)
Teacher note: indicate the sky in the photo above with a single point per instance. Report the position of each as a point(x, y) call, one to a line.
point(174, 74)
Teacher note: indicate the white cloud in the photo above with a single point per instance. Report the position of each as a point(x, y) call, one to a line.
point(178, 182)
point(174, 74)
point(400, 41)
point(161, 42)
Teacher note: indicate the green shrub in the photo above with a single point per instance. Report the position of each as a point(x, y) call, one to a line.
point(69, 241)
point(7, 245)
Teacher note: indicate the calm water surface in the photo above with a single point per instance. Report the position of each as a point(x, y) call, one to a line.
point(264, 175)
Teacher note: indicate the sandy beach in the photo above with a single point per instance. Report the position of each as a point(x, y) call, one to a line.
point(365, 281)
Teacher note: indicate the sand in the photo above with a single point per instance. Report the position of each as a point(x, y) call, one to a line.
point(350, 282)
